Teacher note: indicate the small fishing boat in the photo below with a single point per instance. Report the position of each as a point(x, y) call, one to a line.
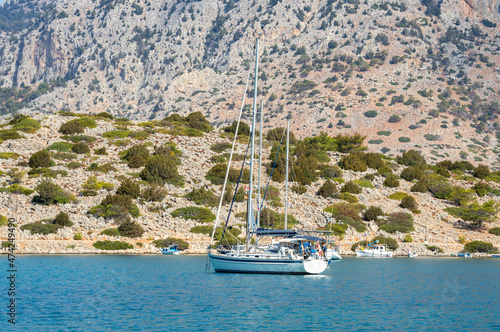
point(378, 250)
point(495, 256)
point(464, 255)
point(412, 254)
point(332, 254)
point(171, 250)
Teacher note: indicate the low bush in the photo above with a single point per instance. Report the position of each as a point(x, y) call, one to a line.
point(195, 213)
point(6, 134)
point(112, 245)
point(41, 228)
point(340, 210)
point(272, 219)
point(372, 213)
point(494, 231)
point(481, 247)
point(409, 203)
point(60, 147)
point(161, 169)
point(398, 222)
point(434, 249)
point(111, 232)
point(117, 207)
point(391, 181)
point(358, 225)
point(50, 193)
point(408, 238)
point(40, 159)
point(200, 196)
point(299, 189)
point(353, 162)
point(364, 183)
point(71, 128)
point(81, 148)
point(220, 147)
point(24, 123)
point(130, 229)
point(351, 187)
point(331, 172)
point(78, 236)
point(101, 152)
point(348, 198)
point(16, 188)
point(153, 193)
point(328, 189)
point(63, 220)
point(482, 171)
point(411, 158)
point(165, 243)
point(129, 187)
point(412, 173)
point(420, 187)
point(370, 114)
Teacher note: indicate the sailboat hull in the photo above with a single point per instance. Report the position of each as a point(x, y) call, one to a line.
point(227, 264)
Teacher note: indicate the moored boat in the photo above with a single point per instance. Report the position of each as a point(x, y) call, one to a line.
point(171, 250)
point(378, 250)
point(464, 255)
point(412, 254)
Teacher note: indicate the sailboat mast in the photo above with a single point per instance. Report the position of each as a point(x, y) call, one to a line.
point(250, 216)
point(286, 172)
point(260, 163)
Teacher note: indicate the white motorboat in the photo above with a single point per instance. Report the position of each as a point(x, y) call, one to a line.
point(171, 250)
point(376, 250)
point(412, 254)
point(332, 254)
point(288, 256)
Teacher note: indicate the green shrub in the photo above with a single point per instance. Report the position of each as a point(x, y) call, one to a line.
point(104, 115)
point(117, 207)
point(116, 134)
point(482, 171)
point(218, 172)
point(41, 228)
point(26, 125)
point(63, 220)
point(71, 128)
point(371, 114)
point(18, 189)
point(195, 213)
point(475, 213)
point(391, 181)
point(111, 232)
point(434, 249)
point(299, 189)
point(9, 155)
point(79, 138)
point(494, 231)
point(161, 169)
point(408, 238)
point(60, 146)
point(351, 187)
point(112, 245)
point(153, 193)
point(481, 188)
point(364, 183)
point(328, 189)
point(220, 147)
point(3, 220)
point(40, 159)
point(272, 219)
point(358, 225)
point(353, 162)
point(80, 148)
point(480, 246)
point(372, 213)
point(384, 133)
point(403, 139)
point(129, 187)
point(101, 152)
point(394, 118)
point(348, 198)
point(409, 203)
point(390, 242)
point(165, 243)
point(78, 236)
point(398, 222)
point(86, 122)
point(331, 172)
point(340, 210)
point(460, 196)
point(51, 193)
point(64, 156)
point(6, 134)
point(73, 165)
point(136, 162)
point(420, 187)
point(411, 158)
point(412, 173)
point(130, 229)
point(398, 195)
point(200, 196)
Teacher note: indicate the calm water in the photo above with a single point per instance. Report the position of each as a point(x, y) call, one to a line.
point(167, 293)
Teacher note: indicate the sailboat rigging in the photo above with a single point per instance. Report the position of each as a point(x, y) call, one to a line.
point(292, 254)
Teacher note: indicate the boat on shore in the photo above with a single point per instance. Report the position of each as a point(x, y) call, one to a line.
point(376, 250)
point(171, 250)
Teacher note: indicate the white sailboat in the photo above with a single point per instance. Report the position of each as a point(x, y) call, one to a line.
point(293, 254)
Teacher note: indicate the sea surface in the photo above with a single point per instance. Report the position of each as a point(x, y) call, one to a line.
point(174, 293)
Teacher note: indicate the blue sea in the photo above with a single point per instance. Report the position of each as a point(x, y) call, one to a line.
point(174, 293)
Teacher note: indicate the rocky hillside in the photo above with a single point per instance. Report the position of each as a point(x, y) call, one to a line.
point(412, 74)
point(72, 181)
